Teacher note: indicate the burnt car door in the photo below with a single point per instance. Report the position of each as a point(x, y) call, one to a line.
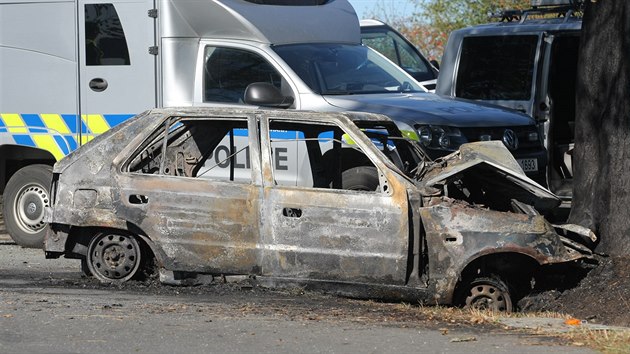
point(194, 188)
point(313, 227)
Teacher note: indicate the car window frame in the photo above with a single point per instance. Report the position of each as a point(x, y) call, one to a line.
point(157, 134)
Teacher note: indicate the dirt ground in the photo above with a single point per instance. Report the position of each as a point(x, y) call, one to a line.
point(603, 296)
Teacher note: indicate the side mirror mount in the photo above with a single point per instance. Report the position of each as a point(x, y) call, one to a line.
point(435, 64)
point(266, 95)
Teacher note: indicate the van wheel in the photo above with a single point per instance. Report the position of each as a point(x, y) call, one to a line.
point(25, 197)
point(488, 293)
point(362, 178)
point(114, 258)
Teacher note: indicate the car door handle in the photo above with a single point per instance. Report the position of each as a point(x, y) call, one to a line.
point(138, 199)
point(292, 212)
point(98, 84)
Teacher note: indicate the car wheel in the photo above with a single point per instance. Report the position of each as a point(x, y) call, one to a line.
point(362, 178)
point(85, 269)
point(114, 258)
point(488, 293)
point(25, 197)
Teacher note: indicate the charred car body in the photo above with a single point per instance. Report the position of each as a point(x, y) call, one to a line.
point(461, 229)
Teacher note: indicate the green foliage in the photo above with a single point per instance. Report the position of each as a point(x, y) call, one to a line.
point(436, 19)
point(448, 15)
point(429, 22)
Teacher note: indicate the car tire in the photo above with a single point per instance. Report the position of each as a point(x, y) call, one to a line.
point(114, 257)
point(361, 178)
point(25, 197)
point(488, 293)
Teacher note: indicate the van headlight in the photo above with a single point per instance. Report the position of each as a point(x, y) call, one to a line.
point(440, 137)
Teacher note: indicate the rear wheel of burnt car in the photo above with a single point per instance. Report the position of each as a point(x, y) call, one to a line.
point(488, 293)
point(26, 195)
point(114, 258)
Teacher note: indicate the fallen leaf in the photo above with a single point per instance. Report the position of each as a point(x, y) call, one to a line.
point(573, 322)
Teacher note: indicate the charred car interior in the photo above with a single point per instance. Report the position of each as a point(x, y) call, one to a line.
point(338, 202)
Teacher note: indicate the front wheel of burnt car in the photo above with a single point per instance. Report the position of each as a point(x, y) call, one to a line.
point(487, 293)
point(114, 257)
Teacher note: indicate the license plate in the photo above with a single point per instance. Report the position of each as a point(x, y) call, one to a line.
point(528, 165)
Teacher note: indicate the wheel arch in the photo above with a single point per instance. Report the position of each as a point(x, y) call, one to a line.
point(79, 238)
point(15, 157)
point(516, 269)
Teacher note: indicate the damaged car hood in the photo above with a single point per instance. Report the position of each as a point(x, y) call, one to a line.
point(490, 164)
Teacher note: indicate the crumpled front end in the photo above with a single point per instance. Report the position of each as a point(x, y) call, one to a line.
point(459, 236)
point(485, 217)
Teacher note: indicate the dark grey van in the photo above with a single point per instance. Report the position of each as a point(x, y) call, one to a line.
point(528, 64)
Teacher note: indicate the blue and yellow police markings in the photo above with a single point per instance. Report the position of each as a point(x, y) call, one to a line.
point(55, 133)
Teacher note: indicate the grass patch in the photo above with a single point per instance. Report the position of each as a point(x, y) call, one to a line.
point(605, 341)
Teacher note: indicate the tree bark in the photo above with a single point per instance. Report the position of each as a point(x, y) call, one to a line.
point(601, 190)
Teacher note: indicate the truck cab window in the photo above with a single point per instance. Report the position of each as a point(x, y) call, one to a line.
point(105, 42)
point(228, 72)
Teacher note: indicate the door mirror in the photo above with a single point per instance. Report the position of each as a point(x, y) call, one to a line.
point(266, 95)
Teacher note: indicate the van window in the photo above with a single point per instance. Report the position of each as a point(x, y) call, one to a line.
point(105, 42)
point(229, 71)
point(497, 68)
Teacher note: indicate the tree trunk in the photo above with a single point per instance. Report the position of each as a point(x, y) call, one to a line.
point(601, 190)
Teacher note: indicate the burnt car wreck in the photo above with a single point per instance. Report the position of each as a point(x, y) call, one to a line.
point(339, 202)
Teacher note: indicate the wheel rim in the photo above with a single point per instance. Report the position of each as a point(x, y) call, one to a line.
point(488, 297)
point(114, 257)
point(30, 204)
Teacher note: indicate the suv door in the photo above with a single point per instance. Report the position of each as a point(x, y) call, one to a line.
point(557, 104)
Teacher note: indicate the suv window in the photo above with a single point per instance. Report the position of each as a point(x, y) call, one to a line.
point(229, 71)
point(497, 67)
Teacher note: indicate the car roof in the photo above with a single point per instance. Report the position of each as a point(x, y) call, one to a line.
point(372, 23)
point(333, 21)
point(288, 114)
point(527, 26)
